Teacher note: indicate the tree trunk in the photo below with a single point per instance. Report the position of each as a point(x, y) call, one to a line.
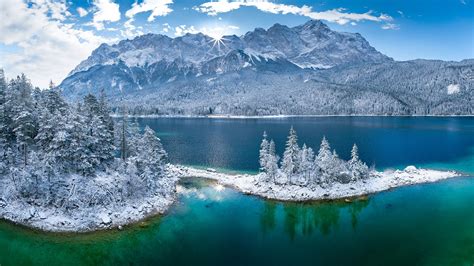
point(25, 153)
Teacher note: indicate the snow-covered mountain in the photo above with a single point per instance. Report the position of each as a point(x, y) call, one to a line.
point(281, 70)
point(312, 44)
point(152, 59)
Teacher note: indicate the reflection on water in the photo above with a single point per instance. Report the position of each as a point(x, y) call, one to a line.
point(268, 217)
point(355, 208)
point(308, 218)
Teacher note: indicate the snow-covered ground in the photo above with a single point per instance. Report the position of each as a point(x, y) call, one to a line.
point(115, 215)
point(97, 217)
point(82, 220)
point(379, 181)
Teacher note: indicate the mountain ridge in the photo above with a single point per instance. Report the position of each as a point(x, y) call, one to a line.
point(315, 62)
point(261, 41)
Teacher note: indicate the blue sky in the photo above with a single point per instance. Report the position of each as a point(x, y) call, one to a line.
point(46, 38)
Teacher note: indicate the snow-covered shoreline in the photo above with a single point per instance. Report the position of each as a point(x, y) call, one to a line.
point(87, 220)
point(94, 218)
point(279, 116)
point(99, 218)
point(379, 181)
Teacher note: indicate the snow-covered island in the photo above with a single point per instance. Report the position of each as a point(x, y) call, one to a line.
point(73, 168)
point(303, 176)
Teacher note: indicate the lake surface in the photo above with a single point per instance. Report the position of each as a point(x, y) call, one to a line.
point(429, 224)
point(383, 141)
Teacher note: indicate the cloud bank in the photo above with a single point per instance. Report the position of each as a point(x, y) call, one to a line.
point(334, 15)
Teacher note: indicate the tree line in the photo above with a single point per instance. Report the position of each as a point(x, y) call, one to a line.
point(51, 149)
point(303, 167)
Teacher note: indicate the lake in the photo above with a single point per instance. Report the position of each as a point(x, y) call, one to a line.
point(428, 224)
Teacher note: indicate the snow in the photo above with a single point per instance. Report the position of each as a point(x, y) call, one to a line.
point(139, 57)
point(378, 181)
point(133, 210)
point(313, 66)
point(453, 88)
point(83, 219)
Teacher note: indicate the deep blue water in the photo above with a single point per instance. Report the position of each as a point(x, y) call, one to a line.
point(383, 141)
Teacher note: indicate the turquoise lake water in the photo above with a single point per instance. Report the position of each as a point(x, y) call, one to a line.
point(428, 224)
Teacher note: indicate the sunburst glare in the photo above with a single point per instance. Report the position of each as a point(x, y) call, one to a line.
point(218, 42)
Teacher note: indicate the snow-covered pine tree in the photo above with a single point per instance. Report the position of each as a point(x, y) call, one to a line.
point(21, 107)
point(291, 159)
point(4, 124)
point(272, 162)
point(358, 169)
point(323, 159)
point(152, 153)
point(51, 99)
point(47, 126)
point(90, 106)
point(3, 115)
point(84, 160)
point(105, 112)
point(263, 154)
point(337, 170)
point(101, 140)
point(307, 165)
point(324, 150)
point(99, 132)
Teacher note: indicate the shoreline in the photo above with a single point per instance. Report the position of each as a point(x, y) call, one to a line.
point(282, 116)
point(37, 223)
point(378, 182)
point(102, 219)
point(91, 218)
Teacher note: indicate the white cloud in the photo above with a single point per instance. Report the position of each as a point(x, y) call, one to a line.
point(45, 47)
point(53, 9)
point(334, 15)
point(131, 30)
point(158, 8)
point(390, 26)
point(183, 29)
point(166, 28)
point(82, 12)
point(106, 11)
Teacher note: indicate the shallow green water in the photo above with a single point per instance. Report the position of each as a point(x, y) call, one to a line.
point(429, 224)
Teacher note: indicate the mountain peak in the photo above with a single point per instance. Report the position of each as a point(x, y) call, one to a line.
point(151, 58)
point(315, 24)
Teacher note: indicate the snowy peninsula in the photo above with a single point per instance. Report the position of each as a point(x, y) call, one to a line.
point(379, 181)
point(302, 175)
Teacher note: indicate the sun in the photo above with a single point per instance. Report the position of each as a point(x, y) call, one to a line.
point(218, 41)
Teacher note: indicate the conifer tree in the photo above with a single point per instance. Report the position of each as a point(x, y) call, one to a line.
point(291, 164)
point(272, 162)
point(264, 153)
point(359, 170)
point(307, 164)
